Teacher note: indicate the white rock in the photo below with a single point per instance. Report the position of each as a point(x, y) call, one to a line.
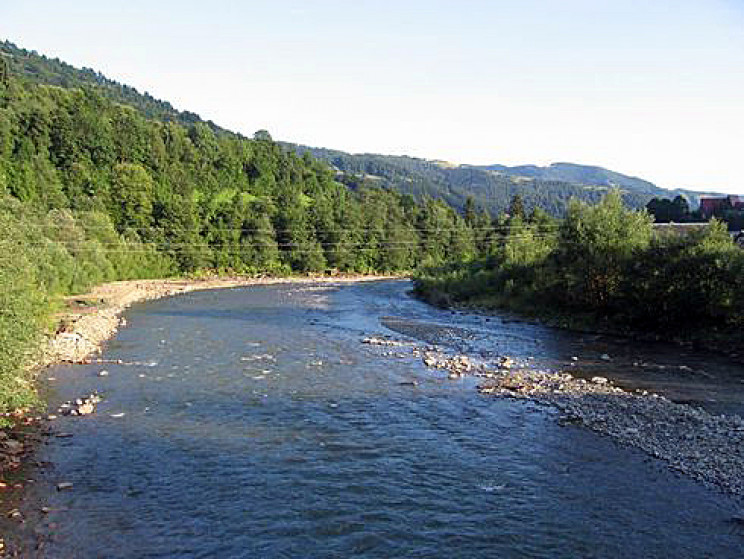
point(86, 409)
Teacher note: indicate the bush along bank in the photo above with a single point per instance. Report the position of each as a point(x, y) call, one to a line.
point(44, 255)
point(605, 268)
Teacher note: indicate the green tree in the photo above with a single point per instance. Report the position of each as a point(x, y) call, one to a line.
point(593, 248)
point(131, 202)
point(516, 207)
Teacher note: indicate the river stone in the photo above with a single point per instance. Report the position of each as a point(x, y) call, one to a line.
point(506, 363)
point(13, 446)
point(86, 409)
point(15, 514)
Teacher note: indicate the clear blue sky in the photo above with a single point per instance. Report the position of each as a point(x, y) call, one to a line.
point(653, 88)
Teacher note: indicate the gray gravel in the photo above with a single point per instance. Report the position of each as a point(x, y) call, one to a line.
point(707, 447)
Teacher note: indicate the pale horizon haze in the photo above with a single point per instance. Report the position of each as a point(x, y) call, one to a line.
point(652, 89)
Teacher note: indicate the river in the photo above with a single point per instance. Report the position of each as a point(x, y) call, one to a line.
point(256, 424)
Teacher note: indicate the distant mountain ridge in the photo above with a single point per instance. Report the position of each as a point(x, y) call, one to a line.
point(581, 174)
point(492, 186)
point(595, 175)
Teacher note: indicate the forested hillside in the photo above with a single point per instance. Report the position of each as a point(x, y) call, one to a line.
point(206, 198)
point(38, 68)
point(491, 187)
point(593, 175)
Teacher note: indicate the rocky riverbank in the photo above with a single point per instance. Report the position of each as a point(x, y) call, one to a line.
point(692, 441)
point(707, 447)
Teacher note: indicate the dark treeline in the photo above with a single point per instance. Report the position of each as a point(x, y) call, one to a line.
point(672, 211)
point(606, 265)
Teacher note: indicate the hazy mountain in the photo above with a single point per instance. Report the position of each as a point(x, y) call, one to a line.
point(592, 175)
point(493, 186)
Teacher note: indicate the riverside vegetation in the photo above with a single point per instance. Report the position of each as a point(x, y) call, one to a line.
point(604, 266)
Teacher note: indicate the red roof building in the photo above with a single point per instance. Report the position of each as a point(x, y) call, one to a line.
point(711, 206)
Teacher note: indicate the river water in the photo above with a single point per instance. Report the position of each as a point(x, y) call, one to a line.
point(256, 424)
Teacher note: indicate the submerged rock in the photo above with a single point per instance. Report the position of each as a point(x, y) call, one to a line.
point(372, 340)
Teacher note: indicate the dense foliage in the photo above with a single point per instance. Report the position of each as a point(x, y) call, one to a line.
point(209, 199)
point(606, 265)
point(48, 253)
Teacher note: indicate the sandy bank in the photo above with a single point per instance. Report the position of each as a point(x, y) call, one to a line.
point(94, 318)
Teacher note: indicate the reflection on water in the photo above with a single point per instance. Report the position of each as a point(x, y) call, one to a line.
point(265, 429)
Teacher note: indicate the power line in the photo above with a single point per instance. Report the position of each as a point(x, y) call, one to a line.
point(217, 244)
point(309, 230)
